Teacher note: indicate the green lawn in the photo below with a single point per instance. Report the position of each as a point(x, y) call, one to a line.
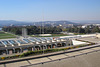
point(4, 35)
point(59, 35)
point(79, 33)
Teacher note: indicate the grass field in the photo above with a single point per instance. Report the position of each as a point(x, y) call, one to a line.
point(4, 35)
point(79, 33)
point(59, 35)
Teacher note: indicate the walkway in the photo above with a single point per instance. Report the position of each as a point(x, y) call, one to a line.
point(82, 58)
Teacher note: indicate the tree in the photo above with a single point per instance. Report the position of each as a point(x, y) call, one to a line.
point(95, 29)
point(87, 30)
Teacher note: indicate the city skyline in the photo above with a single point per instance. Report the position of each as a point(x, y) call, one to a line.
point(49, 10)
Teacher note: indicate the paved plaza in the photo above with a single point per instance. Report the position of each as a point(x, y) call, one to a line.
point(86, 60)
point(91, 39)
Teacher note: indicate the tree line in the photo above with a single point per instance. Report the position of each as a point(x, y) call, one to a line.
point(50, 30)
point(33, 30)
point(86, 30)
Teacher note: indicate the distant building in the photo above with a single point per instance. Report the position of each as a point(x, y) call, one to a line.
point(11, 25)
point(24, 32)
point(83, 26)
point(60, 25)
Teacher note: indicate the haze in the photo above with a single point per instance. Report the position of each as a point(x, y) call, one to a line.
point(49, 10)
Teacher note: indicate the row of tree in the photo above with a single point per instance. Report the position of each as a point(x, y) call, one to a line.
point(33, 30)
point(84, 30)
point(50, 30)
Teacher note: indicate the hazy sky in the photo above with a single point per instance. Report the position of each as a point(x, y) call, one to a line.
point(39, 10)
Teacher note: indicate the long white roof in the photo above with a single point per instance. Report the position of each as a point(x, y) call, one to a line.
point(27, 41)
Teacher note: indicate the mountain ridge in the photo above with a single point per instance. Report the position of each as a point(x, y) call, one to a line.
point(18, 23)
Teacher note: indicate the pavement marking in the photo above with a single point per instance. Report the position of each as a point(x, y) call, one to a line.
point(17, 64)
point(49, 58)
point(28, 61)
point(96, 48)
point(86, 51)
point(39, 60)
point(74, 53)
point(56, 57)
point(66, 55)
point(2, 65)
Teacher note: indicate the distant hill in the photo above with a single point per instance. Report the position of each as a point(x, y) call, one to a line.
point(87, 21)
point(60, 22)
point(9, 22)
point(19, 23)
point(48, 23)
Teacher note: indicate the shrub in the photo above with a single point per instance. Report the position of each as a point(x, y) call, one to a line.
point(77, 47)
point(2, 58)
point(16, 55)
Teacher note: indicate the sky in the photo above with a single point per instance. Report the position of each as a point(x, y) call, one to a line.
point(49, 10)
